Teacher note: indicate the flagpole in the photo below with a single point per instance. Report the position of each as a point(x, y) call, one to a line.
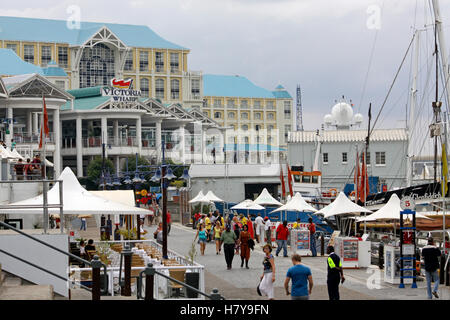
point(43, 149)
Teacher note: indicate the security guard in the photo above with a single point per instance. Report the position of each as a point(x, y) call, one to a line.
point(335, 274)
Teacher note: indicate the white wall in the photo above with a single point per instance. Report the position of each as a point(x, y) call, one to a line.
point(38, 254)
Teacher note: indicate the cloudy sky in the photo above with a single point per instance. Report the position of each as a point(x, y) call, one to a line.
point(330, 47)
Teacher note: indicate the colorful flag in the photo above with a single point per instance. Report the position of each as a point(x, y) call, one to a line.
point(44, 125)
point(291, 191)
point(357, 176)
point(364, 186)
point(283, 187)
point(444, 182)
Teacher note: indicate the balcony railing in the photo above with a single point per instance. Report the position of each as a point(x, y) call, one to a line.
point(26, 137)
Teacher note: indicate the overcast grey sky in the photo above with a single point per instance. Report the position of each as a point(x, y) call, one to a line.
point(323, 45)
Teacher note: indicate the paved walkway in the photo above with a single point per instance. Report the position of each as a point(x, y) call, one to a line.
point(240, 283)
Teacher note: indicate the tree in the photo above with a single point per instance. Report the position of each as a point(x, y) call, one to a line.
point(94, 169)
point(132, 164)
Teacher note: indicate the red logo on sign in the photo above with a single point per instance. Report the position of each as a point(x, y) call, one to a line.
point(121, 83)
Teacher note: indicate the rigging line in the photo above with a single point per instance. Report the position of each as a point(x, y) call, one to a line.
point(368, 71)
point(392, 84)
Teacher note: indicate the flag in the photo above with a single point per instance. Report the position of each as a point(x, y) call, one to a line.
point(357, 176)
point(370, 112)
point(444, 183)
point(283, 187)
point(364, 186)
point(44, 125)
point(291, 191)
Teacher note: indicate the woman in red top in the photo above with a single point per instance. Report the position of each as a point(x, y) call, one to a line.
point(244, 237)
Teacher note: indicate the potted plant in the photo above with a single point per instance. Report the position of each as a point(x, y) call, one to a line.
point(192, 278)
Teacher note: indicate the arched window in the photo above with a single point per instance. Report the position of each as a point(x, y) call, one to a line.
point(230, 115)
point(217, 115)
point(159, 89)
point(96, 66)
point(175, 89)
point(245, 127)
point(270, 116)
point(258, 116)
point(244, 115)
point(144, 87)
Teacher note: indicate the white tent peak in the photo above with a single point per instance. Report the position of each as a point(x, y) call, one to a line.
point(390, 211)
point(265, 198)
point(247, 205)
point(342, 205)
point(200, 198)
point(297, 203)
point(212, 197)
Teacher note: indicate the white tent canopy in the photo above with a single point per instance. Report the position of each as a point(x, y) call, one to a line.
point(297, 203)
point(247, 205)
point(5, 153)
point(390, 211)
point(342, 205)
point(212, 197)
point(265, 199)
point(76, 200)
point(199, 198)
point(16, 154)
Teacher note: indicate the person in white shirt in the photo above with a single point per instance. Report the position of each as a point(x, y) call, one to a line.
point(267, 229)
point(259, 222)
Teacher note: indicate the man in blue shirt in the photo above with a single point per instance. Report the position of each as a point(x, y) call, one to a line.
point(301, 276)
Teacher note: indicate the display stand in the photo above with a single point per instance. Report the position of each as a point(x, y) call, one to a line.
point(301, 242)
point(347, 249)
point(407, 249)
point(392, 265)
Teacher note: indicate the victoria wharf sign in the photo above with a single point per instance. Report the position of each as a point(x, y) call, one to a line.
point(121, 90)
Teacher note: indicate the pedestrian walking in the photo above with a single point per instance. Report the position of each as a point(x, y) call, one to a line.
point(83, 224)
point(208, 227)
point(431, 254)
point(158, 234)
point(268, 230)
point(169, 222)
point(282, 237)
point(251, 228)
point(244, 239)
point(268, 276)
point(312, 234)
point(228, 238)
point(259, 222)
point(201, 235)
point(335, 274)
point(217, 234)
point(301, 276)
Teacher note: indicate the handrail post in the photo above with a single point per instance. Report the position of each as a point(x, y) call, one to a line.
point(96, 265)
point(149, 282)
point(126, 290)
point(215, 295)
point(322, 245)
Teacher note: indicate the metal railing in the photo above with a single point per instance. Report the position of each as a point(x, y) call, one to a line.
point(26, 137)
point(96, 264)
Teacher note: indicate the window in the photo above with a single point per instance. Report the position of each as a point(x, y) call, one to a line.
point(287, 128)
point(175, 89)
point(270, 116)
point(244, 115)
point(258, 115)
point(174, 62)
point(287, 109)
point(28, 53)
point(63, 60)
point(270, 105)
point(325, 157)
point(46, 55)
point(230, 103)
point(230, 115)
point(144, 87)
point(12, 46)
point(270, 127)
point(257, 104)
point(344, 157)
point(245, 127)
point(60, 84)
point(380, 158)
point(244, 103)
point(246, 140)
point(217, 115)
point(96, 66)
point(195, 88)
point(143, 60)
point(129, 61)
point(159, 61)
point(314, 179)
point(257, 127)
point(159, 89)
point(368, 158)
point(217, 103)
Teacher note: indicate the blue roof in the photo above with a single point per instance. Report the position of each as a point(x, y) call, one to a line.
point(54, 72)
point(45, 30)
point(281, 94)
point(11, 64)
point(232, 86)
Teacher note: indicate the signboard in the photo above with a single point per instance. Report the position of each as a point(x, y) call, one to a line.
point(408, 249)
point(407, 203)
point(333, 237)
point(121, 90)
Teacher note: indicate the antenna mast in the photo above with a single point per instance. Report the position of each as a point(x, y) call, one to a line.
point(299, 111)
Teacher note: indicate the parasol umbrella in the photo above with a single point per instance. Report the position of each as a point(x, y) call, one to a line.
point(266, 199)
point(200, 198)
point(247, 205)
point(298, 204)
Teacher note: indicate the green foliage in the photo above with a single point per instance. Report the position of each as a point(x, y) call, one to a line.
point(198, 206)
point(94, 169)
point(132, 164)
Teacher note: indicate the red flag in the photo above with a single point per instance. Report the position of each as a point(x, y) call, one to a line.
point(291, 192)
point(364, 187)
point(283, 187)
point(357, 176)
point(44, 125)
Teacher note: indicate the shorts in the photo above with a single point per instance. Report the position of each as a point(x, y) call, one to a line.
point(201, 241)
